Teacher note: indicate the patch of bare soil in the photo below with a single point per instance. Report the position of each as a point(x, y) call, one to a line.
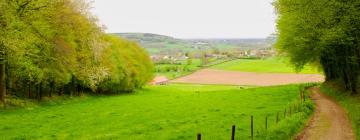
point(211, 76)
point(330, 122)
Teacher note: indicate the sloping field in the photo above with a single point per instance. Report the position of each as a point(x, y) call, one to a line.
point(171, 112)
point(211, 76)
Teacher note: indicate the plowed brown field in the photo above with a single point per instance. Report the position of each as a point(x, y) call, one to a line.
point(211, 76)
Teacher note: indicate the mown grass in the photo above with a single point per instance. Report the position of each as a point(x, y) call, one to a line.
point(269, 65)
point(351, 103)
point(161, 112)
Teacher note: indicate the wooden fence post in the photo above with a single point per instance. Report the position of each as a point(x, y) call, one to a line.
point(233, 132)
point(285, 113)
point(277, 117)
point(199, 136)
point(252, 127)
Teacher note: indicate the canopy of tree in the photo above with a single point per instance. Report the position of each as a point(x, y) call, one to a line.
point(57, 46)
point(324, 32)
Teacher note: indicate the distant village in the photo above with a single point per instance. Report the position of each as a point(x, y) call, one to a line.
point(233, 54)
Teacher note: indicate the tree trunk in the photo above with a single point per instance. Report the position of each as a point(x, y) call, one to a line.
point(51, 88)
point(61, 91)
point(40, 91)
point(78, 88)
point(2, 83)
point(8, 84)
point(29, 90)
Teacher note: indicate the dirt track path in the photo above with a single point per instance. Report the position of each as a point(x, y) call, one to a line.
point(329, 122)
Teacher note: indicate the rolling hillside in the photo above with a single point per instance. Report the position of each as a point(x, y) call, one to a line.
point(160, 44)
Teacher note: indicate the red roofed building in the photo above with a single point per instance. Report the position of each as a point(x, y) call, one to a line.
point(159, 80)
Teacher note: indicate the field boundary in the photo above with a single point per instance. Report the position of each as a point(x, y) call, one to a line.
point(299, 106)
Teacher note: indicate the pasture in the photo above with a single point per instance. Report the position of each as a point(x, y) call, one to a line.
point(176, 111)
point(268, 65)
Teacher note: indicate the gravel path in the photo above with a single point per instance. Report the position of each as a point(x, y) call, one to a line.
point(329, 122)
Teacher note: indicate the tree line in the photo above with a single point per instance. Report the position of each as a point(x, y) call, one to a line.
point(57, 47)
point(322, 32)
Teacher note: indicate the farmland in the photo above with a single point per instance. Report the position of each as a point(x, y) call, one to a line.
point(160, 112)
point(150, 70)
point(268, 65)
point(182, 68)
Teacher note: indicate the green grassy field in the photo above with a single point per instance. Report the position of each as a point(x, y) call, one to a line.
point(349, 102)
point(172, 71)
point(270, 65)
point(160, 112)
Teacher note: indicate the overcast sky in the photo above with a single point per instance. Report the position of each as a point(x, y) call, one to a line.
point(188, 18)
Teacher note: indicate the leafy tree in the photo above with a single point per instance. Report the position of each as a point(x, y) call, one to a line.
point(322, 32)
point(57, 46)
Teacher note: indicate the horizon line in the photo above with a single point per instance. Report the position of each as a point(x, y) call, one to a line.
point(190, 38)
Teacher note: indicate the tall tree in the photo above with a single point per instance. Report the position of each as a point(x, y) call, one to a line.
point(322, 32)
point(57, 45)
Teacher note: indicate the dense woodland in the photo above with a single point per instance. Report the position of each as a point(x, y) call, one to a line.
point(322, 32)
point(57, 47)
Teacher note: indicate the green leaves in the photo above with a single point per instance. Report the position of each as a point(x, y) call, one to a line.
point(58, 41)
point(323, 32)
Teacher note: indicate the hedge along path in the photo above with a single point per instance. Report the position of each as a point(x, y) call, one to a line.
point(330, 121)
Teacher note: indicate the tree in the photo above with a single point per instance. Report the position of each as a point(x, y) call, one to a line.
point(190, 58)
point(322, 32)
point(204, 59)
point(57, 46)
point(2, 76)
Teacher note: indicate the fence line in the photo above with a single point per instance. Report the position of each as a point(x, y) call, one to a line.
point(296, 109)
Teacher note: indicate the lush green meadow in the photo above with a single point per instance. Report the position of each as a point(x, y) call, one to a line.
point(271, 65)
point(159, 112)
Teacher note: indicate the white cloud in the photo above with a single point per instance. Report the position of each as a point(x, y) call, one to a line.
point(189, 18)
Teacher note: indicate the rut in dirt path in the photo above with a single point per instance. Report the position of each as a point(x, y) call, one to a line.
point(330, 122)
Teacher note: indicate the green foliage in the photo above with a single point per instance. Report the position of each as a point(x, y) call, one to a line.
point(323, 32)
point(57, 46)
point(129, 66)
point(159, 112)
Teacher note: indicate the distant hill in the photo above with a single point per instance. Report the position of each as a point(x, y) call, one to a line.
point(145, 37)
point(161, 44)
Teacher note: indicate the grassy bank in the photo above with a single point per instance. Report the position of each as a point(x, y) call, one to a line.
point(351, 104)
point(162, 112)
point(269, 65)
